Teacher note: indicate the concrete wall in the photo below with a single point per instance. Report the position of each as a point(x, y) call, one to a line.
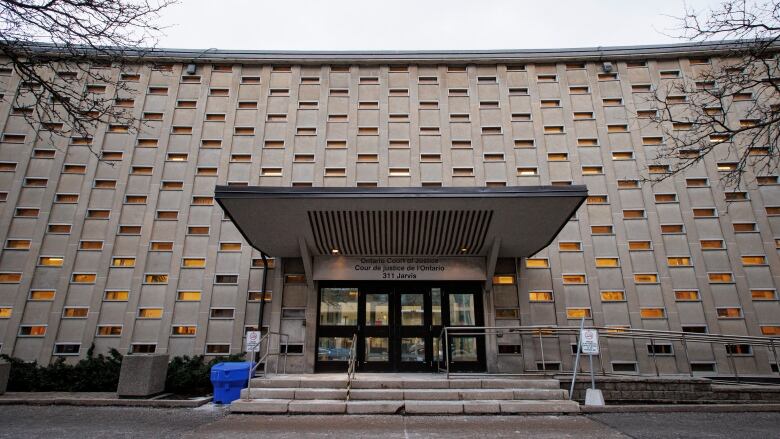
point(358, 125)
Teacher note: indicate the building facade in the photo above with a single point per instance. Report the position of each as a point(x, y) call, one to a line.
point(133, 252)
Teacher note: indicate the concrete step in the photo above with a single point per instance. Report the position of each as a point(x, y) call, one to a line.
point(406, 394)
point(409, 407)
point(374, 382)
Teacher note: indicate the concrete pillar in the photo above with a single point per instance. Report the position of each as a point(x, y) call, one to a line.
point(142, 375)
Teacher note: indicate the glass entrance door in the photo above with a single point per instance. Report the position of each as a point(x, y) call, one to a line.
point(398, 325)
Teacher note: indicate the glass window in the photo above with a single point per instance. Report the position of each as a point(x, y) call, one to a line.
point(338, 307)
point(463, 349)
point(436, 306)
point(376, 311)
point(413, 349)
point(462, 312)
point(334, 348)
point(377, 349)
point(412, 309)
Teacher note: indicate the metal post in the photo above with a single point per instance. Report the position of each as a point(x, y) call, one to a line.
point(541, 348)
point(576, 360)
point(733, 364)
point(655, 362)
point(687, 359)
point(447, 351)
point(592, 376)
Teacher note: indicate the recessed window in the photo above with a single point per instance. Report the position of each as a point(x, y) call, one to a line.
point(712, 244)
point(672, 229)
point(150, 313)
point(665, 198)
point(640, 245)
point(622, 155)
point(143, 348)
point(729, 313)
point(156, 278)
point(537, 263)
point(686, 295)
point(128, 230)
point(226, 92)
point(767, 180)
point(222, 313)
point(572, 246)
point(83, 278)
point(75, 312)
point(601, 230)
point(578, 313)
point(521, 143)
point(193, 262)
point(720, 278)
point(633, 213)
point(503, 279)
point(226, 279)
point(42, 295)
point(646, 278)
point(17, 244)
point(550, 103)
point(198, 230)
point(573, 279)
point(188, 296)
point(660, 349)
point(518, 91)
point(557, 157)
point(597, 199)
point(613, 296)
point(527, 172)
point(704, 213)
point(607, 262)
point(540, 296)
point(116, 295)
point(763, 294)
point(652, 313)
point(678, 261)
point(592, 170)
point(628, 184)
point(753, 260)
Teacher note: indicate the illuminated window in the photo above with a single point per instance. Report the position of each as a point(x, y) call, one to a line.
point(652, 313)
point(550, 103)
point(42, 294)
point(156, 278)
point(90, 245)
point(601, 230)
point(658, 169)
point(573, 279)
point(628, 184)
point(540, 296)
point(772, 210)
point(198, 230)
point(167, 214)
point(577, 313)
point(32, 330)
point(720, 278)
point(161, 246)
point(678, 261)
point(570, 246)
point(527, 172)
point(686, 295)
point(597, 199)
point(640, 245)
point(697, 182)
point(726, 166)
point(503, 279)
point(537, 263)
point(607, 262)
point(770, 330)
point(123, 262)
point(507, 313)
point(5, 312)
point(193, 262)
point(665, 198)
point(109, 330)
point(672, 229)
point(98, 213)
point(258, 263)
point(75, 312)
point(633, 213)
point(763, 294)
point(188, 296)
point(229, 246)
point(622, 155)
point(150, 313)
point(183, 330)
point(729, 313)
point(592, 170)
point(753, 260)
point(646, 278)
point(116, 295)
point(582, 142)
point(83, 278)
point(704, 213)
point(17, 244)
point(256, 295)
point(613, 296)
point(712, 244)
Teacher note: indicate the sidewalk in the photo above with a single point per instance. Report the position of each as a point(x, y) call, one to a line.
point(98, 399)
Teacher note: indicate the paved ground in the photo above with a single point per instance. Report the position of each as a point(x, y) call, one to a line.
point(210, 421)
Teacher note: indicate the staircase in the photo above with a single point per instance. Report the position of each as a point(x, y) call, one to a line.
point(423, 394)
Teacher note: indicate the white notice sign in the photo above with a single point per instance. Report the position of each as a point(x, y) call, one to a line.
point(589, 341)
point(253, 341)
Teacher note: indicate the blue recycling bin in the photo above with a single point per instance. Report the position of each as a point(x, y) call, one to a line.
point(228, 379)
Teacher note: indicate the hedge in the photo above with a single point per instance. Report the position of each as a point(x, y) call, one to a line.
point(100, 373)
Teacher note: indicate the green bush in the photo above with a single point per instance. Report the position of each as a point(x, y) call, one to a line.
point(186, 375)
point(92, 374)
point(192, 375)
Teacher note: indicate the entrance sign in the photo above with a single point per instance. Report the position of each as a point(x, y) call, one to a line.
point(589, 341)
point(253, 341)
point(399, 268)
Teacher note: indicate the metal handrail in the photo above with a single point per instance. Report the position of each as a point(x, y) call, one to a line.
point(263, 359)
point(351, 369)
point(612, 332)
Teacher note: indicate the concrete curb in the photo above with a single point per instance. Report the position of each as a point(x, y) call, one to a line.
point(674, 408)
point(86, 402)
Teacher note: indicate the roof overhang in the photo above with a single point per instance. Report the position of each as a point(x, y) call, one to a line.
point(284, 222)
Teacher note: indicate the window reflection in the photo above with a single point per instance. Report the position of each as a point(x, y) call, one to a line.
point(334, 348)
point(377, 309)
point(338, 306)
point(413, 349)
point(412, 309)
point(436, 306)
point(462, 311)
point(377, 349)
point(463, 349)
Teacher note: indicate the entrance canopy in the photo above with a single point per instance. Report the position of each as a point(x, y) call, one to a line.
point(443, 221)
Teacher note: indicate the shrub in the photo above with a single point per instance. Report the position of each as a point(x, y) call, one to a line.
point(186, 375)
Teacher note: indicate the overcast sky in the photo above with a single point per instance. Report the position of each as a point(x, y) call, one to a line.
point(419, 24)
